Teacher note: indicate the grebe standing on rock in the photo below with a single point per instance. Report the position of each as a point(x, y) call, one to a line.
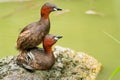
point(32, 35)
point(43, 59)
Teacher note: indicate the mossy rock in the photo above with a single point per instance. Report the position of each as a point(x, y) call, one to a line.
point(70, 65)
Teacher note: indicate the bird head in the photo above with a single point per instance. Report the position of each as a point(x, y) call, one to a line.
point(49, 7)
point(50, 40)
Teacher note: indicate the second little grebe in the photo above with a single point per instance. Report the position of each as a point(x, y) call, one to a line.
point(42, 59)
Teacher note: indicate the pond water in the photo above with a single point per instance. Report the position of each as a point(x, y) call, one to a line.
point(96, 34)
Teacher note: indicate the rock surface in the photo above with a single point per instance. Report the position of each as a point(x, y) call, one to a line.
point(70, 65)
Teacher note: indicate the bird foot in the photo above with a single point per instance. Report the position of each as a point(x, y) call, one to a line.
point(27, 67)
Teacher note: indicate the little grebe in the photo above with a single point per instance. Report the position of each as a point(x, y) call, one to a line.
point(32, 35)
point(42, 59)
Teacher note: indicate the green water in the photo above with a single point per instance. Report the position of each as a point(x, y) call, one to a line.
point(97, 35)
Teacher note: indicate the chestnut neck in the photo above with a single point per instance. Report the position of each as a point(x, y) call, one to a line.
point(48, 50)
point(46, 46)
point(45, 12)
point(45, 15)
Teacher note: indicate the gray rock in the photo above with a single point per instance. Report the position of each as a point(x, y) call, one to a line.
point(70, 65)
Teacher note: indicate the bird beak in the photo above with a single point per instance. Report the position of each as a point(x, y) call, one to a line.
point(58, 37)
point(57, 9)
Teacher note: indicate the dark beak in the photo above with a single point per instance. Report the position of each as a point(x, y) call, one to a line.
point(57, 9)
point(57, 37)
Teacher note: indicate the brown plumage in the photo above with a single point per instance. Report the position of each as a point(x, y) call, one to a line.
point(42, 58)
point(33, 34)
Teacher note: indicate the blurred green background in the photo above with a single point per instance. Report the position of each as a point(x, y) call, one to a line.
point(96, 33)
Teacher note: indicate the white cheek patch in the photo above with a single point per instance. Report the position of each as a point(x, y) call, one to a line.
point(55, 38)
